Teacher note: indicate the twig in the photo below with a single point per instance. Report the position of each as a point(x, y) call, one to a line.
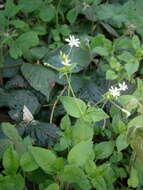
point(55, 103)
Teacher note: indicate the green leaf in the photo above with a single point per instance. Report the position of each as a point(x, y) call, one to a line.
point(27, 40)
point(39, 77)
point(99, 183)
point(131, 68)
point(72, 15)
point(12, 182)
point(10, 161)
point(73, 106)
point(17, 23)
point(126, 57)
point(44, 158)
point(129, 102)
point(11, 9)
point(121, 142)
point(74, 174)
point(136, 42)
point(38, 52)
point(82, 131)
point(27, 162)
point(11, 132)
point(111, 75)
point(95, 114)
point(101, 51)
point(104, 149)
point(80, 153)
point(15, 50)
point(65, 122)
point(133, 181)
point(47, 13)
point(30, 6)
point(53, 186)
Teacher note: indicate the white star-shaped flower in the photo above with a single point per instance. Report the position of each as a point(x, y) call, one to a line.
point(123, 86)
point(72, 41)
point(64, 59)
point(115, 92)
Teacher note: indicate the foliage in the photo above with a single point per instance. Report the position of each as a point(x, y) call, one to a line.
point(71, 107)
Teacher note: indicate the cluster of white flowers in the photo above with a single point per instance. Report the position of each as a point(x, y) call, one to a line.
point(115, 92)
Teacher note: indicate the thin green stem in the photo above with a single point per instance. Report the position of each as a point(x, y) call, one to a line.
point(73, 94)
point(57, 13)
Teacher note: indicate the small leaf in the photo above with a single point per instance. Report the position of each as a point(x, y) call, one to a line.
point(136, 42)
point(121, 142)
point(111, 75)
point(11, 132)
point(47, 13)
point(104, 149)
point(131, 68)
point(72, 15)
point(10, 161)
point(53, 186)
point(44, 158)
point(133, 181)
point(93, 114)
point(80, 153)
point(74, 106)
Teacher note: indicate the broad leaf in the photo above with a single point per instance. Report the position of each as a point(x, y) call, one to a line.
point(27, 162)
point(80, 153)
point(44, 158)
point(39, 77)
point(11, 132)
point(74, 106)
point(121, 142)
point(10, 161)
point(104, 149)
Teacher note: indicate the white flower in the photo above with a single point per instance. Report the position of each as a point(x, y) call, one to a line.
point(66, 62)
point(123, 86)
point(115, 92)
point(64, 59)
point(73, 41)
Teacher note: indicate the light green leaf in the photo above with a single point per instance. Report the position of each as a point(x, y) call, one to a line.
point(104, 149)
point(131, 68)
point(10, 161)
point(74, 174)
point(53, 186)
point(121, 142)
point(27, 162)
point(82, 131)
point(133, 181)
point(136, 42)
point(111, 75)
point(80, 153)
point(95, 114)
point(11, 132)
point(73, 106)
point(126, 57)
point(44, 158)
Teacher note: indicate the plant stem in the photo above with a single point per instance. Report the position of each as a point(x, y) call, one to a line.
point(54, 105)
